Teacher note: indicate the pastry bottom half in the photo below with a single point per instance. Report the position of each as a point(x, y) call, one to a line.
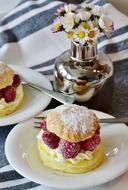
point(12, 106)
point(68, 167)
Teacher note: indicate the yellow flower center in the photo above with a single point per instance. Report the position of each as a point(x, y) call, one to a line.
point(70, 21)
point(86, 25)
point(57, 26)
point(91, 34)
point(81, 34)
point(70, 34)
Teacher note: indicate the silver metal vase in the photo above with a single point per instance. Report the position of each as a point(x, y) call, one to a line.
point(82, 71)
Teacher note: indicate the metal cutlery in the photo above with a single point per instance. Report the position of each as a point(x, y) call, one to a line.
point(63, 98)
point(115, 120)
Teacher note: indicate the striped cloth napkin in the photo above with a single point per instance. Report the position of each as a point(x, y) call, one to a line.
point(26, 39)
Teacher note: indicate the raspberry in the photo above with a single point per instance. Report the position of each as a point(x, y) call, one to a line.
point(0, 94)
point(97, 131)
point(43, 125)
point(9, 94)
point(69, 149)
point(16, 81)
point(91, 143)
point(50, 139)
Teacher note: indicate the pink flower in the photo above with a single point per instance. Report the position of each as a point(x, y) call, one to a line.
point(60, 11)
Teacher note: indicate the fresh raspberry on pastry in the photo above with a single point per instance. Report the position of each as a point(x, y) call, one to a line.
point(69, 149)
point(50, 139)
point(11, 90)
point(16, 81)
point(91, 143)
point(9, 94)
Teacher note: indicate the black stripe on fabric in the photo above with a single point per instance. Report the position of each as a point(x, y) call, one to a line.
point(41, 65)
point(28, 185)
point(22, 2)
point(4, 131)
point(115, 47)
point(48, 72)
point(101, 2)
point(120, 62)
point(22, 12)
point(90, 1)
point(115, 33)
point(28, 27)
point(9, 175)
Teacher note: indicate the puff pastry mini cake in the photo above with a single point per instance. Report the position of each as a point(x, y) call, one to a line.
point(69, 139)
point(11, 90)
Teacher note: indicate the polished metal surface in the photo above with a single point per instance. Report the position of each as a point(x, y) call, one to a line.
point(115, 120)
point(83, 78)
point(81, 52)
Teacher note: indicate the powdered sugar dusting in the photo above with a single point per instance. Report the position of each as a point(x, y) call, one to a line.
point(3, 68)
point(75, 117)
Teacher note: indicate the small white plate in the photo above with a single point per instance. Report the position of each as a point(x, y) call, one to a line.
point(21, 151)
point(34, 101)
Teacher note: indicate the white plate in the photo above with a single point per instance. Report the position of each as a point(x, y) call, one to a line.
point(34, 101)
point(22, 153)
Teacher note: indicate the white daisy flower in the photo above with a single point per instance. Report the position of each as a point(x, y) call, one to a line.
point(93, 34)
point(97, 10)
point(70, 34)
point(68, 21)
point(82, 15)
point(56, 25)
point(70, 7)
point(106, 24)
point(80, 35)
point(87, 25)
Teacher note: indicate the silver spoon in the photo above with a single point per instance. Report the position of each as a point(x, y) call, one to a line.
point(63, 98)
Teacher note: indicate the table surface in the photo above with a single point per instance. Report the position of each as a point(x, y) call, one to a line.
point(112, 99)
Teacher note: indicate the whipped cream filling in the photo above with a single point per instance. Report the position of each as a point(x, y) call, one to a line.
point(4, 104)
point(55, 153)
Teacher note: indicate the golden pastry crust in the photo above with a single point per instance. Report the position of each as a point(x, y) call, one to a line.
point(68, 167)
point(8, 108)
point(6, 76)
point(73, 123)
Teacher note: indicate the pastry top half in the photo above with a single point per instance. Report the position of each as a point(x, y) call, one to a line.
point(6, 76)
point(73, 123)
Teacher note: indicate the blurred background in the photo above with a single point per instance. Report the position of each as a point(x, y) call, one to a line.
point(121, 5)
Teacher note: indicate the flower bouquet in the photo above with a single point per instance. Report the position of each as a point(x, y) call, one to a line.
point(83, 23)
